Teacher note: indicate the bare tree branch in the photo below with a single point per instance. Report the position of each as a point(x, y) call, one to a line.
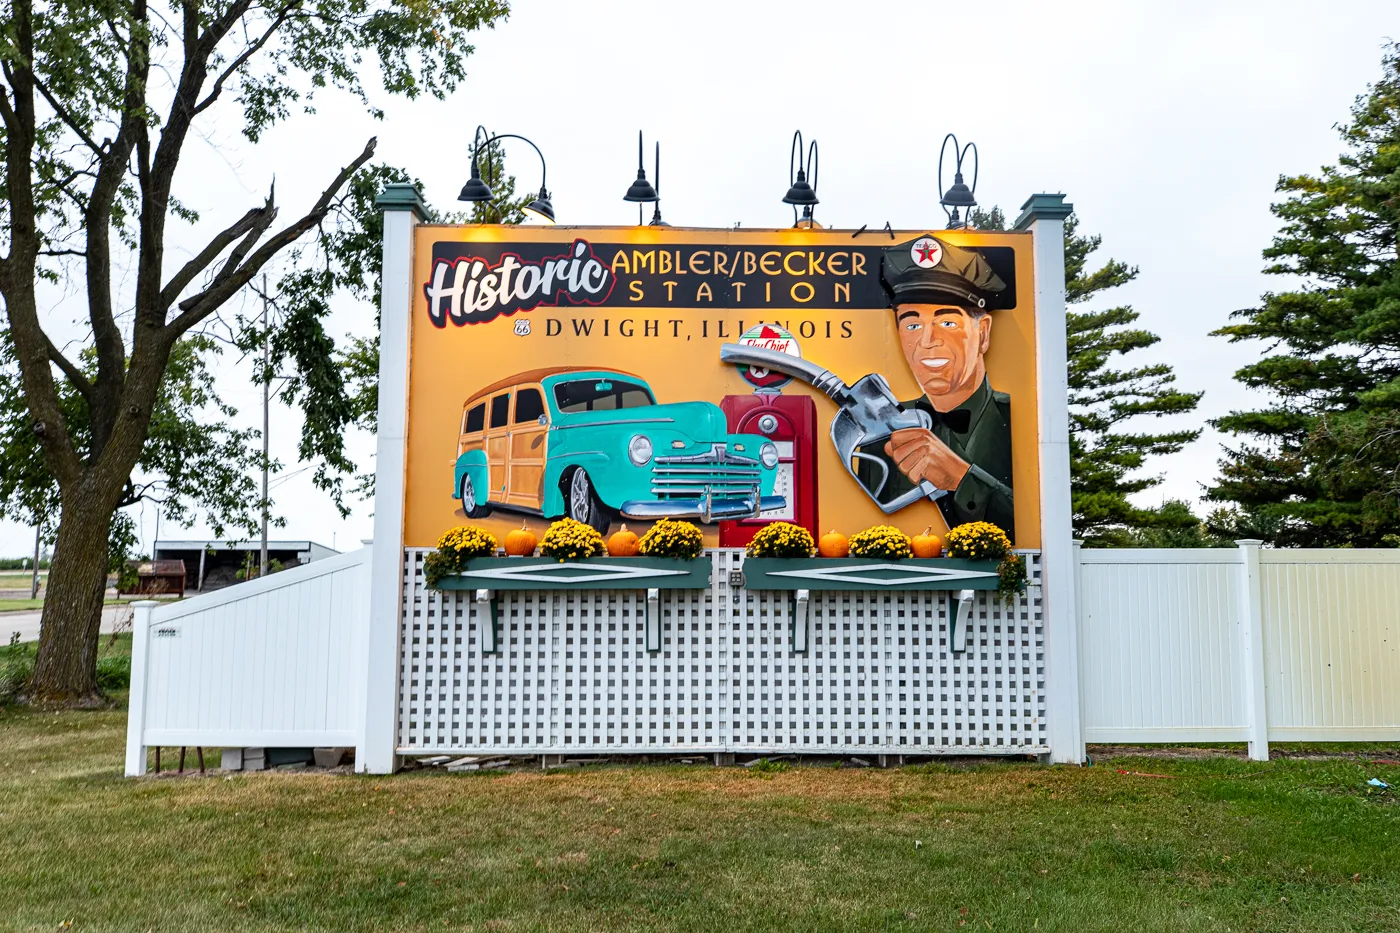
point(206, 256)
point(197, 307)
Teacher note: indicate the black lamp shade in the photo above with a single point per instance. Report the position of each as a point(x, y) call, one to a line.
point(475, 189)
point(801, 192)
point(641, 189)
point(958, 194)
point(541, 207)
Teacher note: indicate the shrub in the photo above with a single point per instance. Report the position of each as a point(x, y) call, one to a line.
point(883, 541)
point(568, 539)
point(16, 666)
point(781, 539)
point(675, 539)
point(113, 674)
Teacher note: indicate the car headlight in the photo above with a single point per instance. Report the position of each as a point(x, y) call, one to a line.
point(639, 450)
point(768, 453)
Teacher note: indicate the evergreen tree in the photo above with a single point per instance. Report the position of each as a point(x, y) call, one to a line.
point(1105, 456)
point(1318, 465)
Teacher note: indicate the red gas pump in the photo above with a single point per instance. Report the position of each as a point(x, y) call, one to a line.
point(790, 422)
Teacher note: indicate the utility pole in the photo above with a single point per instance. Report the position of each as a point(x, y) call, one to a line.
point(38, 540)
point(267, 397)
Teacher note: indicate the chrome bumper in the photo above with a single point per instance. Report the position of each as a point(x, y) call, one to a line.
point(707, 509)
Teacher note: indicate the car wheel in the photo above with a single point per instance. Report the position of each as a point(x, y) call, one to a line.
point(470, 507)
point(582, 502)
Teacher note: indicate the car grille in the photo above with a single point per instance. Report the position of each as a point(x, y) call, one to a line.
point(724, 474)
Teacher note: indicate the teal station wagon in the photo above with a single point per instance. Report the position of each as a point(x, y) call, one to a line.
point(593, 443)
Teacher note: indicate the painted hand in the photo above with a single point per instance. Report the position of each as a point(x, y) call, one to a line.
point(922, 456)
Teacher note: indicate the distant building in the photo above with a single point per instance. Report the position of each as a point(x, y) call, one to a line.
point(156, 578)
point(214, 564)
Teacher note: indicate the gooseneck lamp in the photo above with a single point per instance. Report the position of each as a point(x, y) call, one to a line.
point(800, 192)
point(959, 195)
point(477, 189)
point(641, 191)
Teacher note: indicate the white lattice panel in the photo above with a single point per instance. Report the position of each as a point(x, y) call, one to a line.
point(573, 675)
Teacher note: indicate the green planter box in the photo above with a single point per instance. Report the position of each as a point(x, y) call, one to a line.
point(802, 576)
point(489, 576)
point(590, 573)
point(869, 573)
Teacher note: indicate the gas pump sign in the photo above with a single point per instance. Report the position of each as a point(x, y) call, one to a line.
point(732, 378)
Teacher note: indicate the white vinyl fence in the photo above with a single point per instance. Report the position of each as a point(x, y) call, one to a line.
point(1246, 645)
point(1234, 645)
point(275, 662)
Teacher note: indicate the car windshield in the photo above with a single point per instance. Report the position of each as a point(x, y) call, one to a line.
point(600, 393)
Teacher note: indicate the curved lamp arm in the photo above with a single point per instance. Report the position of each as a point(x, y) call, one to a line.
point(543, 167)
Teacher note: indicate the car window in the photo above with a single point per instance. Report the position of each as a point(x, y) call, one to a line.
point(585, 395)
point(474, 420)
point(529, 406)
point(500, 408)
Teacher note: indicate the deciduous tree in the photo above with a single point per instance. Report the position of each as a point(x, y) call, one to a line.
point(98, 103)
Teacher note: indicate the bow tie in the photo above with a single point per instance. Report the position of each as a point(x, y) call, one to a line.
point(958, 420)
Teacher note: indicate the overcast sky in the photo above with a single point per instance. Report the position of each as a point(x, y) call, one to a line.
point(1166, 125)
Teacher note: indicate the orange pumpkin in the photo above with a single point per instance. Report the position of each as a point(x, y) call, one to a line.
point(926, 545)
point(833, 544)
point(520, 542)
point(623, 543)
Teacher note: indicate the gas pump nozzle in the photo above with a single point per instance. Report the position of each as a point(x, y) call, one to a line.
point(869, 413)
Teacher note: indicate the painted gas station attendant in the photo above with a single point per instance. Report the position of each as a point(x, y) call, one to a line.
point(939, 295)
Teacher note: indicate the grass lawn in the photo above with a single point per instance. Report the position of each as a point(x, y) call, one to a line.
point(16, 605)
point(1218, 844)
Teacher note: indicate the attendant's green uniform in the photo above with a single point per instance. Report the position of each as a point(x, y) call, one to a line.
point(984, 441)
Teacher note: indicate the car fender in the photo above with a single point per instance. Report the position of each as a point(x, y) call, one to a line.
point(615, 479)
point(596, 462)
point(471, 462)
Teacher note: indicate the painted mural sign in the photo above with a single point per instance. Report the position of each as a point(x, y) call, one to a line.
point(728, 377)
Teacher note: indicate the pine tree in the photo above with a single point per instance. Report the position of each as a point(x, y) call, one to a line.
point(1105, 456)
point(1318, 465)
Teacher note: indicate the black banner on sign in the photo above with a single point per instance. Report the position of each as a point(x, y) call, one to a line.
point(472, 283)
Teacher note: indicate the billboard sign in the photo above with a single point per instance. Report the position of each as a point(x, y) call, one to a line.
point(730, 377)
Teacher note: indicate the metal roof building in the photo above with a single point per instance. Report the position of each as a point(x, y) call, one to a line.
point(214, 563)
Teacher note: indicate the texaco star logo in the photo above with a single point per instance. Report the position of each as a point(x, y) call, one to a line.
point(926, 252)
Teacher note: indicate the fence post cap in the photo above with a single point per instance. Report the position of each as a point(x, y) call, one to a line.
point(143, 603)
point(1250, 542)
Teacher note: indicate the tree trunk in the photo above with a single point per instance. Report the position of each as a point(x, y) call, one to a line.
point(65, 668)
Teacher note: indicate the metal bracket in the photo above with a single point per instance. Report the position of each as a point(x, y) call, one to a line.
point(653, 619)
point(959, 605)
point(486, 621)
point(801, 611)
